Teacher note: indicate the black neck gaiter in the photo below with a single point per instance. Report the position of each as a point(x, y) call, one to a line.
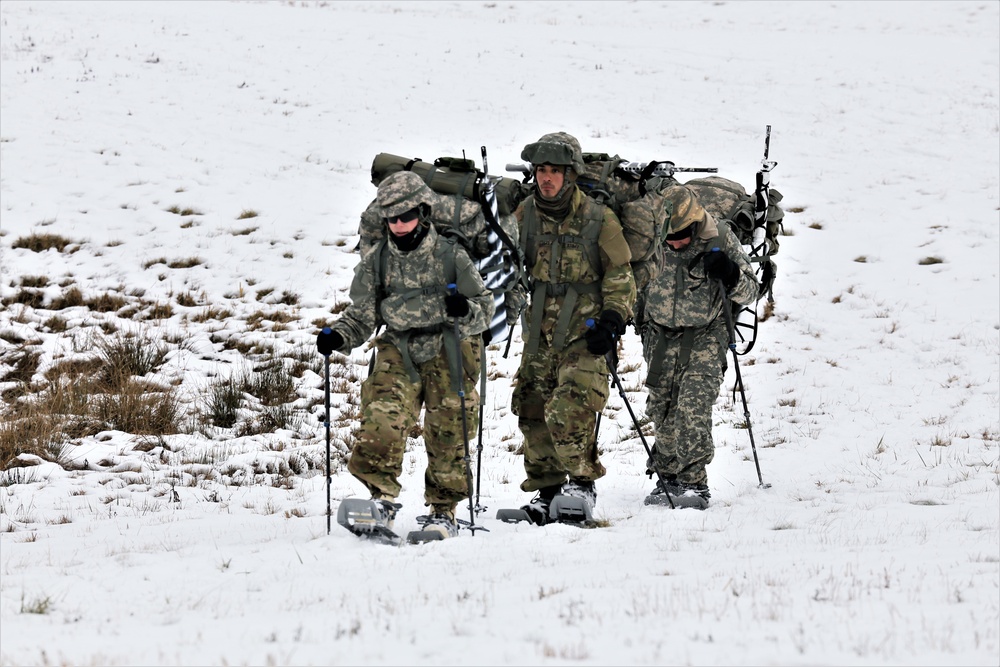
point(408, 242)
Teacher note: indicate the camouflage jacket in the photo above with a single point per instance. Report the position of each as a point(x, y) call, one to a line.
point(603, 268)
point(682, 296)
point(409, 296)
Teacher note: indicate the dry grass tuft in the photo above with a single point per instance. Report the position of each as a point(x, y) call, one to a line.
point(42, 242)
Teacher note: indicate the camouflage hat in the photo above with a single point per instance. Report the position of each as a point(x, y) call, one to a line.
point(682, 208)
point(402, 191)
point(556, 148)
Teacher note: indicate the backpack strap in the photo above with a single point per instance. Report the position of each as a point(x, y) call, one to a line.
point(453, 351)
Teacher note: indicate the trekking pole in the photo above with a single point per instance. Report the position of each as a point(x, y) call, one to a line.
point(612, 366)
point(326, 422)
point(453, 289)
point(728, 312)
point(479, 446)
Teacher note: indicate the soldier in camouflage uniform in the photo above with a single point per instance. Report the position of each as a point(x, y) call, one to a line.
point(402, 283)
point(685, 339)
point(577, 262)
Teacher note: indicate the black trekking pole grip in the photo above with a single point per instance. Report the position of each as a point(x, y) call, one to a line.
point(616, 381)
point(326, 423)
point(727, 310)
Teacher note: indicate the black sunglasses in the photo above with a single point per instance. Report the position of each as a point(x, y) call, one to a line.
point(404, 217)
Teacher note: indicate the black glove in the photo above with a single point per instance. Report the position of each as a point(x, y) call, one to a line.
point(328, 341)
point(601, 338)
point(456, 305)
point(718, 266)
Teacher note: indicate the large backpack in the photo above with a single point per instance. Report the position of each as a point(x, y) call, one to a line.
point(638, 203)
point(729, 201)
point(634, 193)
point(469, 207)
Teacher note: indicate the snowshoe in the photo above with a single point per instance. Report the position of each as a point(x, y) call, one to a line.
point(571, 509)
point(536, 512)
point(694, 496)
point(437, 526)
point(574, 503)
point(371, 519)
point(514, 516)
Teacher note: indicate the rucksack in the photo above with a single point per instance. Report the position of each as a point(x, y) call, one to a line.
point(451, 175)
point(638, 203)
point(470, 208)
point(729, 201)
point(633, 191)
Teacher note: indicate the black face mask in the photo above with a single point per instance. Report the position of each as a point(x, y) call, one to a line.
point(408, 242)
point(685, 233)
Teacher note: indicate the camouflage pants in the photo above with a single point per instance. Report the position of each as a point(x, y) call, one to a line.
point(680, 400)
point(556, 397)
point(390, 407)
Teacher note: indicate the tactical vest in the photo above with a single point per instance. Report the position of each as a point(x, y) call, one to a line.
point(559, 281)
point(410, 311)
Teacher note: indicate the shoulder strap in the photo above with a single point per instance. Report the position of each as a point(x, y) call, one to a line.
point(450, 272)
point(380, 263)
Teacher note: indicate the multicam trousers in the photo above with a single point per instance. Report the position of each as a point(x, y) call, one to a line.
point(390, 407)
point(557, 396)
point(685, 373)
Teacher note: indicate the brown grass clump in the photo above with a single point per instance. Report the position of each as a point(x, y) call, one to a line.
point(42, 242)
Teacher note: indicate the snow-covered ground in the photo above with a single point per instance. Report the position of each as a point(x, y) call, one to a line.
point(873, 388)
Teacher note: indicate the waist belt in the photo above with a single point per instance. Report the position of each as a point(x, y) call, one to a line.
point(452, 351)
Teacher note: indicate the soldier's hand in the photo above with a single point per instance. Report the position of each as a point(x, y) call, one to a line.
point(718, 266)
point(456, 305)
point(328, 341)
point(602, 336)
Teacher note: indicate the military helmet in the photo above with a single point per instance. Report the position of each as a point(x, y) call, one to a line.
point(402, 191)
point(682, 208)
point(556, 148)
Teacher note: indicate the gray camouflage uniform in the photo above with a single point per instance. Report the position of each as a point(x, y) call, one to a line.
point(416, 365)
point(684, 342)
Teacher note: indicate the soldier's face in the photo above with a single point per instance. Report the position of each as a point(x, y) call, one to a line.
point(679, 245)
point(550, 179)
point(404, 223)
